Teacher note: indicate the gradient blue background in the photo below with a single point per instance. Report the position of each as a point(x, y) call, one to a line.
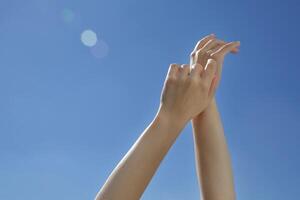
point(67, 117)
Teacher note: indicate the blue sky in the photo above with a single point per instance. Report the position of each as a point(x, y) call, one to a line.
point(67, 116)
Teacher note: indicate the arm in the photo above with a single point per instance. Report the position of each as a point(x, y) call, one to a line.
point(131, 176)
point(185, 94)
point(212, 156)
point(211, 152)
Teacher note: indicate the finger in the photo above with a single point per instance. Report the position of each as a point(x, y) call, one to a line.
point(196, 69)
point(209, 71)
point(202, 55)
point(211, 44)
point(235, 50)
point(185, 70)
point(203, 41)
point(222, 51)
point(219, 45)
point(173, 70)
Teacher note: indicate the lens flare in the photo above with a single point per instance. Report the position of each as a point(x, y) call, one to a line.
point(100, 50)
point(68, 15)
point(89, 38)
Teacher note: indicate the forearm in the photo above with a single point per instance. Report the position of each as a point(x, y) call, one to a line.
point(212, 156)
point(133, 173)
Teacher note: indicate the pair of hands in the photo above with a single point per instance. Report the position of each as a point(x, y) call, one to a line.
point(189, 88)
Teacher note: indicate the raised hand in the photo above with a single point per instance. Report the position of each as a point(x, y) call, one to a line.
point(187, 91)
point(211, 47)
point(211, 153)
point(185, 94)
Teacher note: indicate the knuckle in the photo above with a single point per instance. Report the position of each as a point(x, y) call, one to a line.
point(173, 66)
point(199, 67)
point(198, 51)
point(193, 54)
point(185, 66)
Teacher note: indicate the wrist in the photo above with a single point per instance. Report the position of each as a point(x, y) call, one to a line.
point(211, 106)
point(170, 119)
point(209, 109)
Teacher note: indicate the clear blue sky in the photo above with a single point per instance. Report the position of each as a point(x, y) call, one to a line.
point(67, 116)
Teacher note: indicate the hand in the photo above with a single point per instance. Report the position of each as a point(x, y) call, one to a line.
point(210, 47)
point(187, 91)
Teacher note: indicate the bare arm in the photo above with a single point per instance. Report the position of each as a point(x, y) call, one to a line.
point(212, 156)
point(131, 176)
point(211, 153)
point(185, 95)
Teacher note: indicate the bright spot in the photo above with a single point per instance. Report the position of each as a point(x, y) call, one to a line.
point(100, 50)
point(68, 15)
point(89, 38)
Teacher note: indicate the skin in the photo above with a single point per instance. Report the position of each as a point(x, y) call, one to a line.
point(187, 95)
point(211, 153)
